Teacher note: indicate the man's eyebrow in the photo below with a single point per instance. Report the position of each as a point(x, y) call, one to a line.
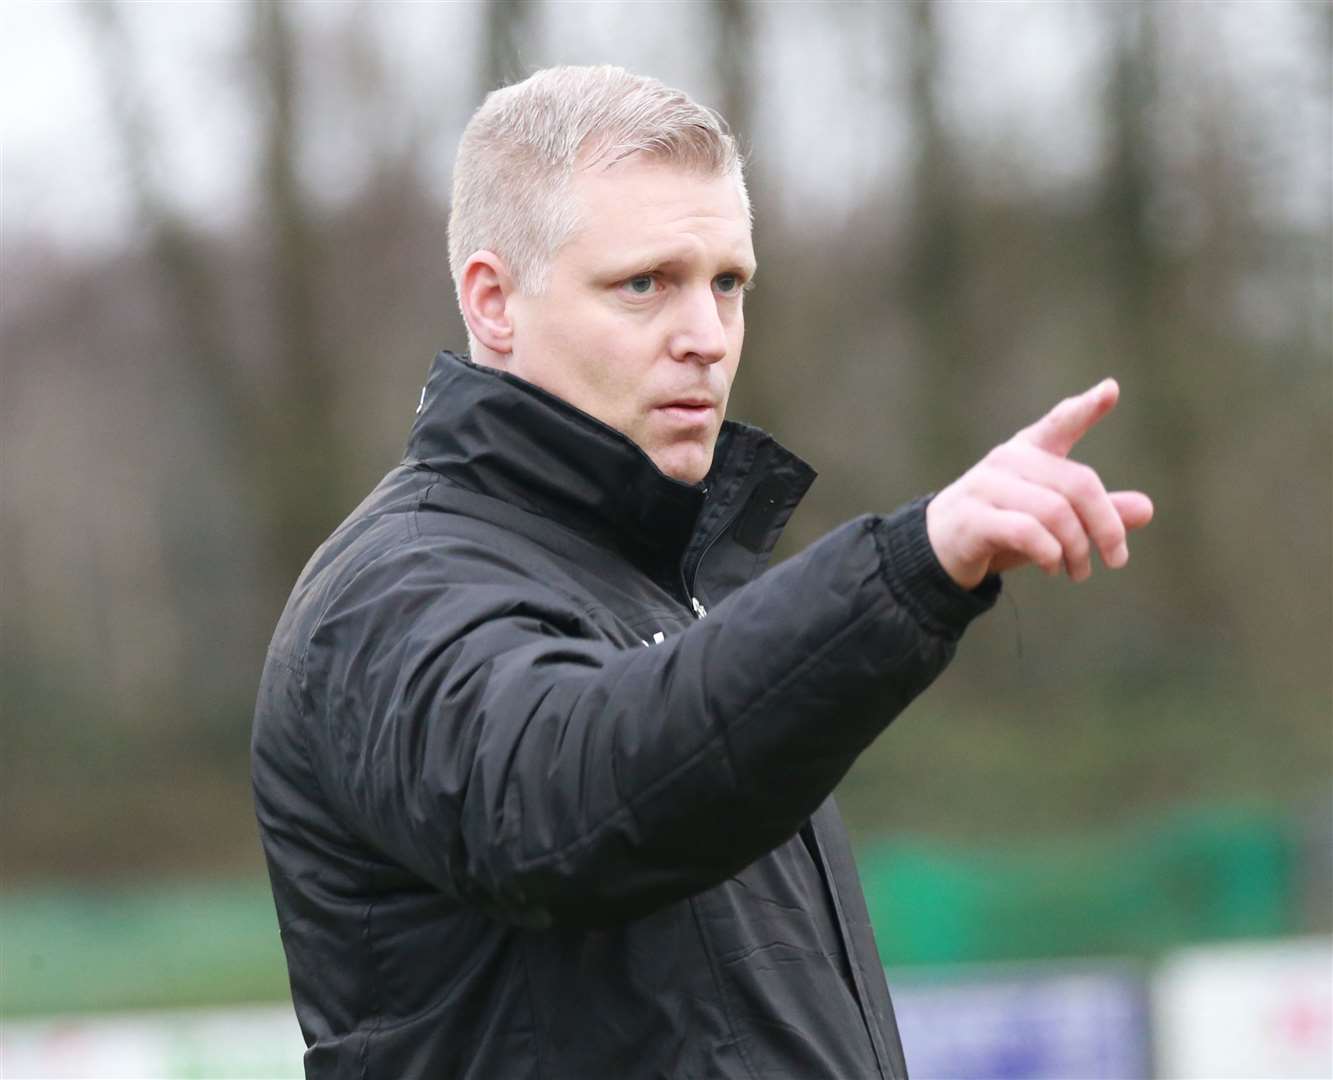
point(654, 258)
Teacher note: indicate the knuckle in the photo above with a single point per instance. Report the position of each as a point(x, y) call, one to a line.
point(1068, 518)
point(1111, 531)
point(1055, 507)
point(1017, 533)
point(974, 476)
point(1036, 538)
point(1063, 521)
point(1087, 484)
point(966, 487)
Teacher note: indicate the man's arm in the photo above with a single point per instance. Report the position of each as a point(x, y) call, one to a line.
point(491, 739)
point(483, 733)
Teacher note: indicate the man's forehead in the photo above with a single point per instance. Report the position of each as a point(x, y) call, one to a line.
point(650, 213)
point(644, 179)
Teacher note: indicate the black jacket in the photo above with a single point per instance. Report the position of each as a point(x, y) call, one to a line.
point(528, 811)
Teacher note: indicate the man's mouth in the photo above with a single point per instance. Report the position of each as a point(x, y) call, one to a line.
point(689, 413)
point(690, 404)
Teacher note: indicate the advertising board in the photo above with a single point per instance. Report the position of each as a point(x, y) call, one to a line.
point(1246, 1010)
point(1035, 1022)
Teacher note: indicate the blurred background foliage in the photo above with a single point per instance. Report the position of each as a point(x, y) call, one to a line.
point(225, 275)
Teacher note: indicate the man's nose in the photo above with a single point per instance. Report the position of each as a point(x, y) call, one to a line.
point(699, 334)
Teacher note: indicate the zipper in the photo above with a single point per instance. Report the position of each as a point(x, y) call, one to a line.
point(687, 582)
point(687, 596)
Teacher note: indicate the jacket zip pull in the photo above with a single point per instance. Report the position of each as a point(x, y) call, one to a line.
point(699, 610)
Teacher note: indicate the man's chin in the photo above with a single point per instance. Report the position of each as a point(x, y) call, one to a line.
point(689, 463)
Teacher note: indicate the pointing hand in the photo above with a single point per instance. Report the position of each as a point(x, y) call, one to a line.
point(1026, 502)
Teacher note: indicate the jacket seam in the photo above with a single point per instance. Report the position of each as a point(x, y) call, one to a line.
point(306, 718)
point(303, 722)
point(367, 940)
point(853, 959)
point(281, 659)
point(594, 611)
point(603, 541)
point(380, 1027)
point(318, 621)
point(421, 501)
point(736, 1040)
point(532, 1012)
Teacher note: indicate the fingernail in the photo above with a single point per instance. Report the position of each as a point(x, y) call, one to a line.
point(1121, 555)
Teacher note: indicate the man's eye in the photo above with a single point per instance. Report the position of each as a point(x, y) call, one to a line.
point(640, 285)
point(728, 283)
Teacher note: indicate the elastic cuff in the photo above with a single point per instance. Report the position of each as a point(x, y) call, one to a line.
point(919, 582)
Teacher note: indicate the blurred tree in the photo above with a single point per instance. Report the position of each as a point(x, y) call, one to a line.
point(1151, 346)
point(244, 384)
point(302, 485)
point(732, 30)
point(281, 433)
point(184, 273)
point(732, 57)
point(935, 258)
point(507, 31)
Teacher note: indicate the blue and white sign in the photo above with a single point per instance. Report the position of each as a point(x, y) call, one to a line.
point(1034, 1023)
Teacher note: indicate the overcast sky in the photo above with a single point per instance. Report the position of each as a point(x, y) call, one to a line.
point(1022, 81)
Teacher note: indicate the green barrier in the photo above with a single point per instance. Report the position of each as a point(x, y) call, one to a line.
point(1203, 876)
point(74, 950)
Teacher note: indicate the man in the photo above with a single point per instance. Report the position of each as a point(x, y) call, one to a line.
point(542, 760)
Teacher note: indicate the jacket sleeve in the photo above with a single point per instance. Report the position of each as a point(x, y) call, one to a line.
point(486, 737)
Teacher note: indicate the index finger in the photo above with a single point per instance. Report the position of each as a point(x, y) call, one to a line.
point(1069, 421)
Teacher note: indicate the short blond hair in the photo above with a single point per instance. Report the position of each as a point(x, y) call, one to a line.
point(517, 157)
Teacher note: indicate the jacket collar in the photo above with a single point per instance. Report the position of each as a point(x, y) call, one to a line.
point(491, 432)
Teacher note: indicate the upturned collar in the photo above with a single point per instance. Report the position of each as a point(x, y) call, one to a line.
point(494, 433)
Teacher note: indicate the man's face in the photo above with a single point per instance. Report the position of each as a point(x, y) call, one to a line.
point(640, 324)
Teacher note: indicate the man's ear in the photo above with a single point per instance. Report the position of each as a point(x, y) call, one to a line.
point(484, 293)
